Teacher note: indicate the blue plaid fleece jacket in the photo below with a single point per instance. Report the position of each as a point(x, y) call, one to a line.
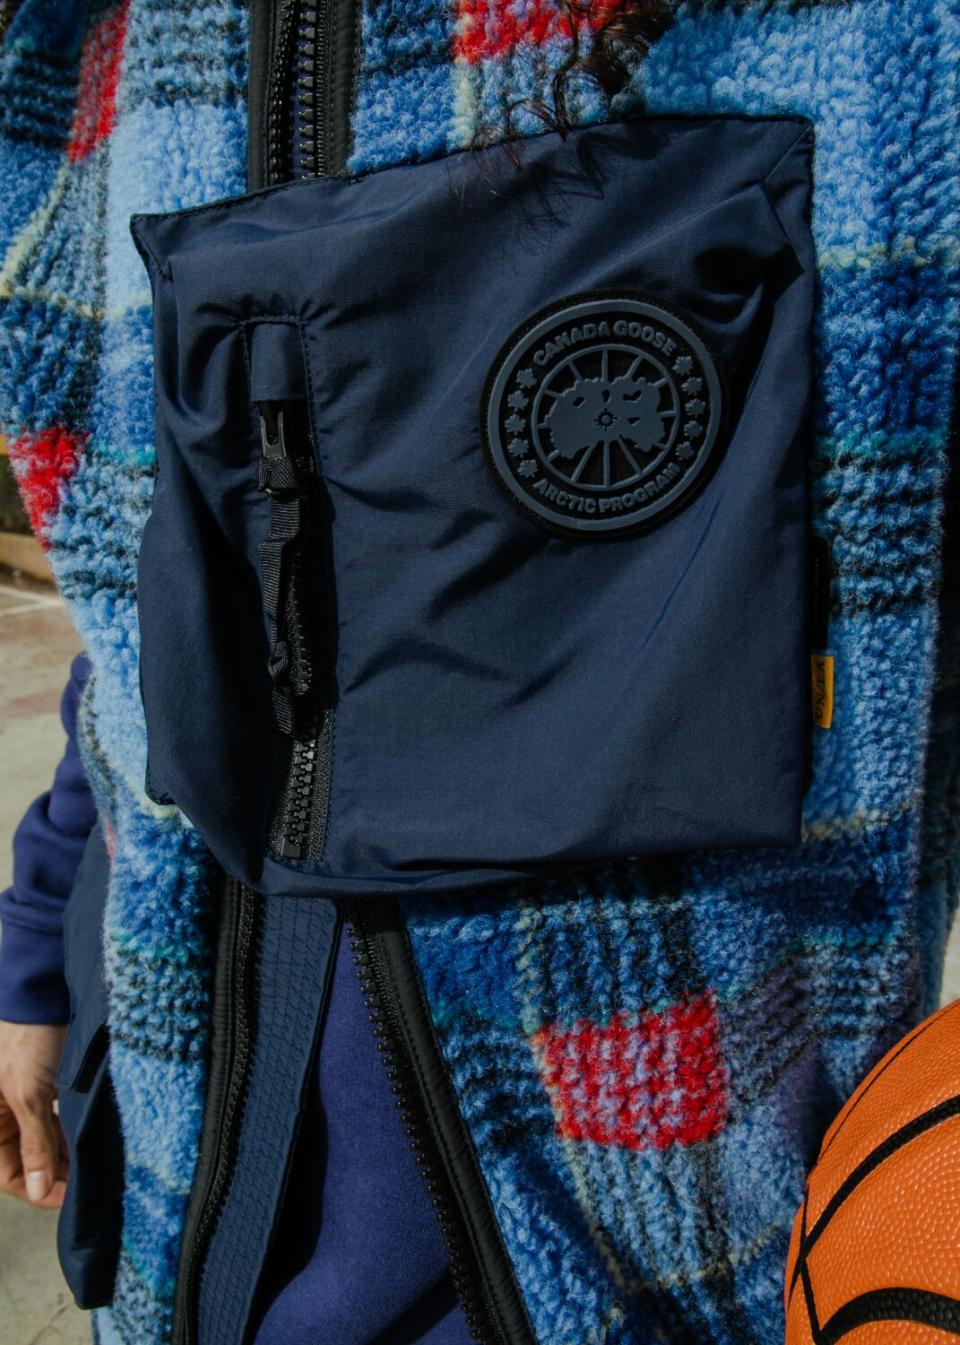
point(720, 1005)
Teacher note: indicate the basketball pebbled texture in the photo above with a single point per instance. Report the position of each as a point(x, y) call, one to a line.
point(875, 1252)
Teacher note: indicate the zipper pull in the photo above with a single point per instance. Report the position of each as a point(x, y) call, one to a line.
point(278, 476)
point(272, 437)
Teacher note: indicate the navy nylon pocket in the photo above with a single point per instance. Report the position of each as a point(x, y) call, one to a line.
point(479, 538)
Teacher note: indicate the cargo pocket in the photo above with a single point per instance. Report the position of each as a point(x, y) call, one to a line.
point(88, 1233)
point(478, 545)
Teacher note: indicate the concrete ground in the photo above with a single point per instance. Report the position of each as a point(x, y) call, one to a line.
point(36, 645)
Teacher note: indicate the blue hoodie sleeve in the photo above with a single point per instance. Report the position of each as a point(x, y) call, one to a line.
point(47, 849)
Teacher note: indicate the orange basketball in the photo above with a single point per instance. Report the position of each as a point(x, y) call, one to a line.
point(875, 1252)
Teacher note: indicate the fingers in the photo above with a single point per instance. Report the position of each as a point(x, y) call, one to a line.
point(33, 1163)
point(40, 1162)
point(10, 1169)
point(12, 1181)
point(51, 1201)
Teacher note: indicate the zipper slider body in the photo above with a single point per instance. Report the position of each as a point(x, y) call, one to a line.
point(278, 472)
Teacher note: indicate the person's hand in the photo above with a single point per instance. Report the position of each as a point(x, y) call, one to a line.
point(33, 1153)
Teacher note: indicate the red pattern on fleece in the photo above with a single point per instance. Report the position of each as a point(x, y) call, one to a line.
point(488, 28)
point(640, 1084)
point(43, 463)
point(100, 65)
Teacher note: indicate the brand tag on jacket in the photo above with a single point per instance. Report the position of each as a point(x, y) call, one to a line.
point(602, 414)
point(822, 675)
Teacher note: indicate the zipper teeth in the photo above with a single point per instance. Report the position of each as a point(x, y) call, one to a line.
point(312, 59)
point(305, 798)
point(238, 1046)
point(303, 633)
point(277, 99)
point(300, 820)
point(307, 792)
point(406, 1092)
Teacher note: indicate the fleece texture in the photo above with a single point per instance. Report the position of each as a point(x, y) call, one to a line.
point(647, 1057)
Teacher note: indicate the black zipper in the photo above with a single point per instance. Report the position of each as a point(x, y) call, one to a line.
point(300, 610)
point(313, 80)
point(272, 28)
point(479, 1265)
point(311, 94)
point(301, 88)
point(231, 1041)
point(327, 45)
point(298, 826)
point(302, 72)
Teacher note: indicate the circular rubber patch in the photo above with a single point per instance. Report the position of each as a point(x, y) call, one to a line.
point(602, 414)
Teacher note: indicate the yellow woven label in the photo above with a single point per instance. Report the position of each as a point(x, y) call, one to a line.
point(822, 672)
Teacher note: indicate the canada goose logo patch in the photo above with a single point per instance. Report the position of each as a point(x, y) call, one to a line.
point(602, 414)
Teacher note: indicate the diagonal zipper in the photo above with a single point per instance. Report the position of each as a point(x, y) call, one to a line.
point(479, 1265)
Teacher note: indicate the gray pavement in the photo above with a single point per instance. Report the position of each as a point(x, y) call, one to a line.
point(37, 642)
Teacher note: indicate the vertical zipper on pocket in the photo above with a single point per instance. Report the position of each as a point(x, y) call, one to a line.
point(479, 1265)
point(294, 571)
point(232, 1020)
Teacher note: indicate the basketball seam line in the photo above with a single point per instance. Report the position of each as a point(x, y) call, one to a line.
point(801, 1242)
point(926, 1121)
point(811, 1305)
point(925, 1307)
point(881, 1070)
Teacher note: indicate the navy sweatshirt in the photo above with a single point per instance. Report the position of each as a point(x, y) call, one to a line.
point(357, 1255)
point(47, 849)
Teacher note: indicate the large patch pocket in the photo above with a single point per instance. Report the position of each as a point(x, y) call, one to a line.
point(478, 542)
